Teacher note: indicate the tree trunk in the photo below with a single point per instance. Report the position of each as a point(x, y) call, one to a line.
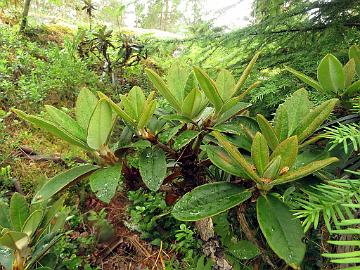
point(211, 246)
point(25, 15)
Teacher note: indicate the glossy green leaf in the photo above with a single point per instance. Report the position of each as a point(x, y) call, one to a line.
point(66, 122)
point(242, 250)
point(209, 200)
point(304, 171)
point(297, 107)
point(137, 99)
point(237, 108)
point(306, 79)
point(282, 231)
point(148, 111)
point(354, 53)
point(85, 105)
point(19, 211)
point(6, 258)
point(273, 169)
point(288, 151)
point(185, 138)
point(163, 89)
point(104, 182)
point(281, 123)
point(314, 119)
point(53, 211)
point(100, 125)
point(176, 80)
point(52, 128)
point(260, 153)
point(32, 223)
point(17, 241)
point(246, 73)
point(237, 156)
point(225, 83)
point(221, 159)
point(61, 181)
point(349, 71)
point(118, 110)
point(169, 133)
point(330, 74)
point(152, 166)
point(192, 105)
point(353, 89)
point(209, 88)
point(4, 215)
point(268, 131)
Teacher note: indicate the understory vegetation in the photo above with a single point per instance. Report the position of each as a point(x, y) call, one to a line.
point(193, 146)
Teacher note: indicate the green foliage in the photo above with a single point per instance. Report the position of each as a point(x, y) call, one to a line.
point(344, 135)
point(31, 232)
point(334, 78)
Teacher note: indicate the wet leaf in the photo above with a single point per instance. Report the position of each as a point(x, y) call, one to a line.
point(283, 232)
point(331, 74)
point(104, 182)
point(209, 200)
point(242, 250)
point(152, 165)
point(61, 181)
point(184, 138)
point(221, 159)
point(100, 125)
point(66, 122)
point(85, 105)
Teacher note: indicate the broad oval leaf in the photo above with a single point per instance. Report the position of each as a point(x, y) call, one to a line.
point(242, 250)
point(61, 181)
point(184, 138)
point(4, 215)
point(66, 122)
point(314, 119)
point(176, 80)
point(19, 211)
point(260, 153)
point(52, 128)
point(273, 168)
point(32, 223)
point(100, 125)
point(163, 89)
point(225, 83)
point(353, 89)
point(331, 74)
point(192, 104)
point(221, 159)
point(85, 105)
point(104, 182)
point(287, 150)
point(349, 70)
point(209, 200)
point(283, 232)
point(354, 53)
point(152, 165)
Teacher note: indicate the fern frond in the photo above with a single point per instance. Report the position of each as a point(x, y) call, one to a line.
point(344, 134)
point(336, 201)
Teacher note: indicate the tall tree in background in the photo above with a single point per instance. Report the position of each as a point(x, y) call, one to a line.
point(25, 15)
point(158, 14)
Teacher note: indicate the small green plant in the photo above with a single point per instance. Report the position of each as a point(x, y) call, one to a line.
point(335, 79)
point(29, 232)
